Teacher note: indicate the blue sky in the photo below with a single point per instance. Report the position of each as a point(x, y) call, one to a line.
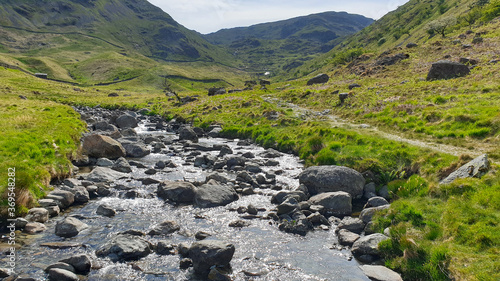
point(207, 16)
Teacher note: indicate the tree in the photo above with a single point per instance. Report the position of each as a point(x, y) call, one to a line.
point(167, 89)
point(472, 16)
point(440, 25)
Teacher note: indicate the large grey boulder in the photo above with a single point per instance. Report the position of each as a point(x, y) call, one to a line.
point(376, 201)
point(206, 254)
point(318, 79)
point(126, 121)
point(165, 228)
point(125, 247)
point(380, 273)
point(352, 224)
point(367, 214)
point(321, 179)
point(63, 198)
point(213, 194)
point(69, 227)
point(368, 245)
point(105, 210)
point(81, 263)
point(445, 69)
point(335, 203)
point(121, 165)
point(187, 133)
point(103, 174)
point(475, 168)
point(81, 194)
point(347, 238)
point(99, 146)
point(37, 215)
point(59, 274)
point(136, 150)
point(181, 192)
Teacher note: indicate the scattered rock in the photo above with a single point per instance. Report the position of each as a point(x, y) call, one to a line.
point(352, 224)
point(60, 265)
point(380, 273)
point(321, 179)
point(125, 247)
point(37, 215)
point(105, 210)
point(376, 202)
point(445, 69)
point(206, 254)
point(99, 146)
point(336, 203)
point(63, 198)
point(411, 45)
point(181, 192)
point(136, 150)
point(34, 227)
point(121, 165)
point(201, 235)
point(81, 263)
point(104, 162)
point(213, 195)
point(318, 79)
point(187, 133)
point(368, 245)
point(475, 168)
point(126, 121)
point(367, 214)
point(69, 227)
point(347, 238)
point(165, 228)
point(58, 274)
point(165, 248)
point(355, 85)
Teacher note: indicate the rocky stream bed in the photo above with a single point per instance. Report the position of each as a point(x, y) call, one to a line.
point(157, 200)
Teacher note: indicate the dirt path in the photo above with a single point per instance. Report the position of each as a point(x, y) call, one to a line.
point(365, 129)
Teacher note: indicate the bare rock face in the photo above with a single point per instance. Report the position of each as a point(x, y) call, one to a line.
point(99, 146)
point(321, 179)
point(445, 69)
point(475, 168)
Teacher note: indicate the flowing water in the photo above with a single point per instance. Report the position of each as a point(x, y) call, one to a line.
point(261, 249)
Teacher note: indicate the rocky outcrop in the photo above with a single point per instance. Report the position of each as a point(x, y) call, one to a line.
point(475, 168)
point(99, 146)
point(206, 254)
point(445, 69)
point(321, 179)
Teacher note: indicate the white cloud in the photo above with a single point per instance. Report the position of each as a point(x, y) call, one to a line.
point(210, 16)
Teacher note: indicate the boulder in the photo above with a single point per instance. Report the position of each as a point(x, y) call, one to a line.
point(352, 224)
point(165, 248)
point(368, 245)
point(165, 228)
point(59, 274)
point(63, 198)
point(104, 162)
point(318, 79)
point(37, 215)
point(376, 201)
point(216, 91)
point(321, 179)
point(105, 210)
point(367, 214)
point(215, 132)
point(336, 203)
point(370, 190)
point(126, 121)
point(445, 69)
point(99, 146)
point(390, 60)
point(136, 150)
point(34, 227)
point(105, 126)
point(299, 225)
point(206, 254)
point(81, 194)
point(288, 206)
point(125, 247)
point(181, 192)
point(213, 195)
point(475, 168)
point(347, 238)
point(187, 133)
point(121, 165)
point(60, 265)
point(380, 273)
point(69, 227)
point(81, 263)
point(103, 174)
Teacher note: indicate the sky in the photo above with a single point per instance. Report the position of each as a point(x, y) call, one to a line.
point(206, 16)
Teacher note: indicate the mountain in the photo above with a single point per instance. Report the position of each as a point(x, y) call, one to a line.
point(131, 24)
point(286, 44)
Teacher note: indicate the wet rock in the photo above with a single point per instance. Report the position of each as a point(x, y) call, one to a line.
point(367, 214)
point(99, 146)
point(376, 201)
point(104, 162)
point(69, 227)
point(380, 273)
point(165, 248)
point(213, 195)
point(37, 215)
point(347, 238)
point(150, 172)
point(129, 132)
point(185, 263)
point(201, 235)
point(181, 192)
point(34, 227)
point(239, 223)
point(321, 179)
point(21, 223)
point(53, 210)
point(58, 274)
point(136, 150)
point(281, 196)
point(298, 226)
point(236, 161)
point(103, 174)
point(225, 150)
point(71, 182)
point(61, 245)
point(252, 210)
point(217, 178)
point(318, 219)
point(288, 206)
point(126, 121)
point(445, 69)
point(81, 195)
point(368, 245)
point(81, 263)
point(216, 274)
point(318, 79)
point(215, 132)
point(165, 228)
point(105, 210)
point(335, 203)
point(352, 224)
point(60, 265)
point(206, 254)
point(63, 198)
point(270, 153)
point(247, 191)
point(125, 247)
point(188, 133)
point(475, 168)
point(121, 165)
